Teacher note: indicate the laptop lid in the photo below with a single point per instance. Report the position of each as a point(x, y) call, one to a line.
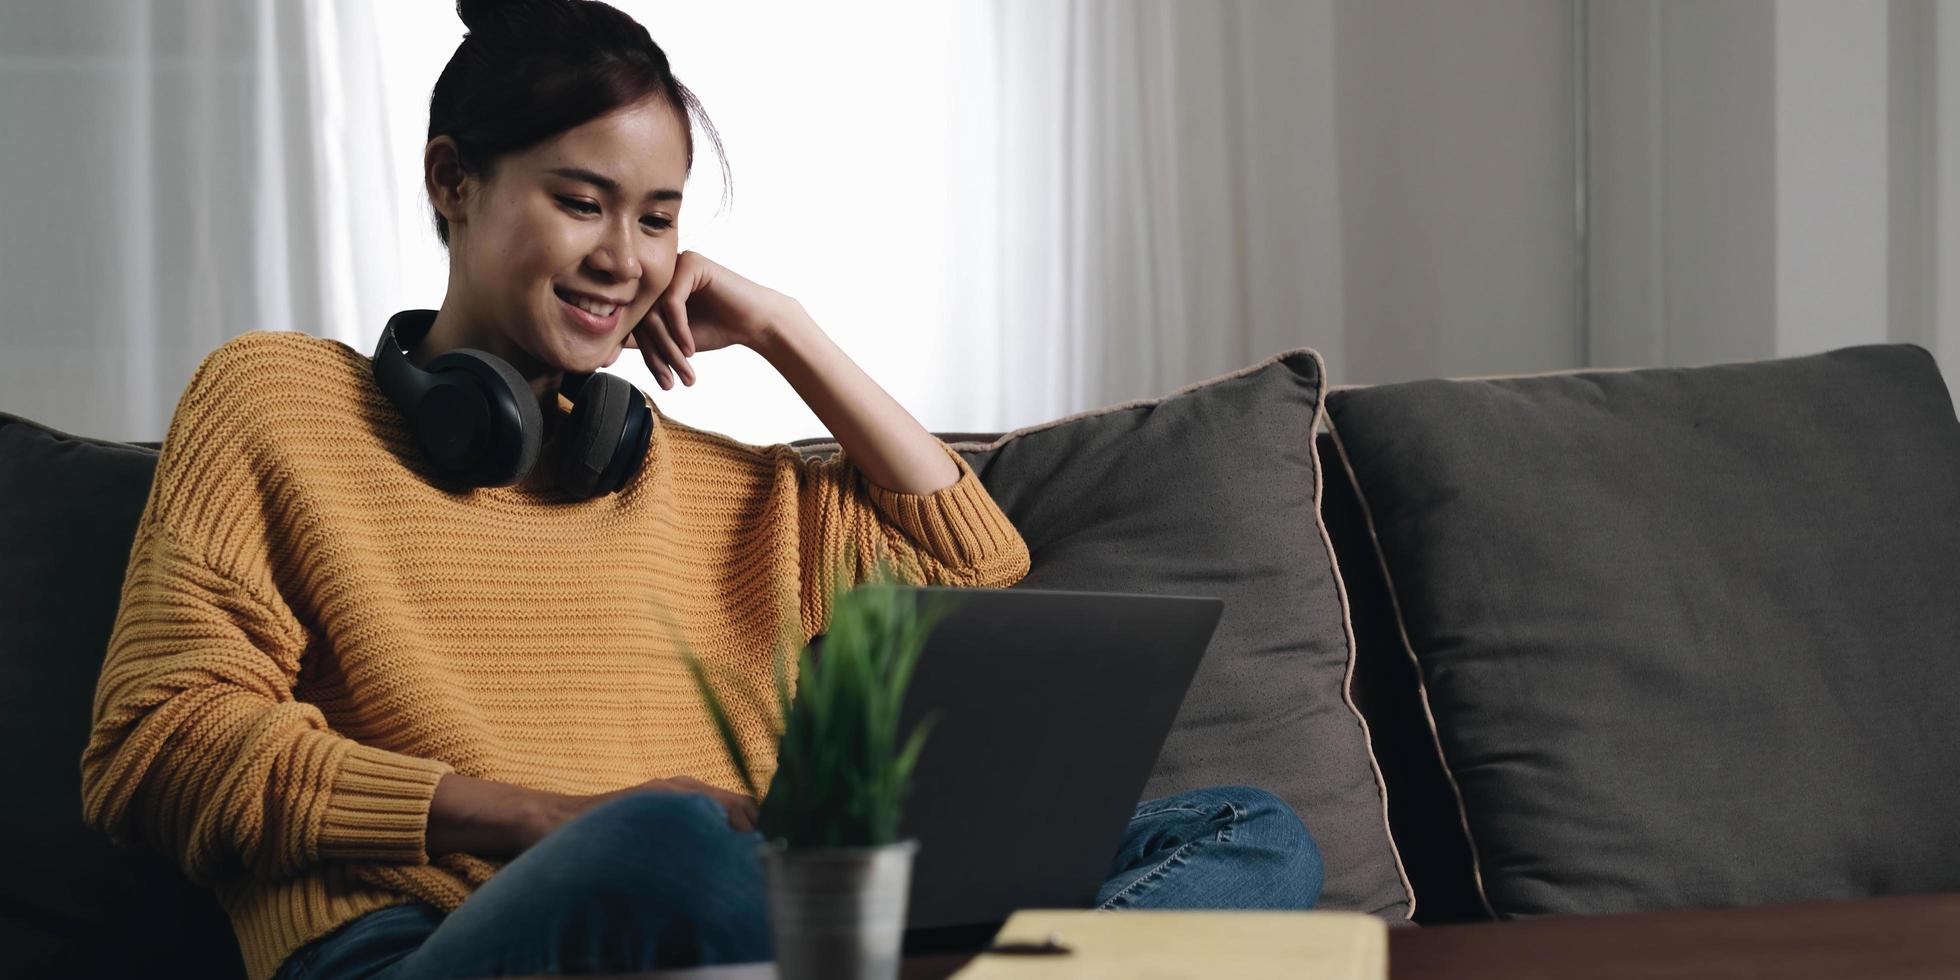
point(1052, 707)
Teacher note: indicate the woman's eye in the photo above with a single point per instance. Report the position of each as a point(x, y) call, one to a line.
point(587, 207)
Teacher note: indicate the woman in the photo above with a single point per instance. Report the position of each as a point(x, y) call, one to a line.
point(413, 729)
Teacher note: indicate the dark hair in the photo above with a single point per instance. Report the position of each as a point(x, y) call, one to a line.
point(530, 69)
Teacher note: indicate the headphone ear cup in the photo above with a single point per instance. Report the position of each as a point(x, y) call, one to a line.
point(600, 420)
point(512, 451)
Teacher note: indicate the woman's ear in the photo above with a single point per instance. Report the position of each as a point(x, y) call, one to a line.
point(444, 178)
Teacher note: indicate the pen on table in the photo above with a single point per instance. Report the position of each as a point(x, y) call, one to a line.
point(1051, 946)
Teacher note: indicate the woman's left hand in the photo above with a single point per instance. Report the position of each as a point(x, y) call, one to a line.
point(706, 307)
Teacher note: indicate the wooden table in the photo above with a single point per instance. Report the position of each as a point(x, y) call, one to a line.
point(1897, 938)
point(1881, 938)
point(935, 967)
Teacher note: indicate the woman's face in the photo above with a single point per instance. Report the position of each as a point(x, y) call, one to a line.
point(592, 213)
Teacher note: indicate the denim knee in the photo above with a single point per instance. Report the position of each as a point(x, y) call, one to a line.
point(1264, 821)
point(647, 831)
point(693, 815)
point(671, 853)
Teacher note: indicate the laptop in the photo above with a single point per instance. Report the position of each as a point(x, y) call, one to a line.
point(1052, 707)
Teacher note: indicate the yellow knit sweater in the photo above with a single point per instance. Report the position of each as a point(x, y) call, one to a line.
point(312, 632)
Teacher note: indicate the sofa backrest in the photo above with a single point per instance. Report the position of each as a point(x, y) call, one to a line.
point(63, 549)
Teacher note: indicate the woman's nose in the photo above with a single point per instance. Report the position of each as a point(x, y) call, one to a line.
point(614, 255)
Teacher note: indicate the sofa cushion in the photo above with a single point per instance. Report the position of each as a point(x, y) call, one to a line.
point(1214, 490)
point(71, 903)
point(1688, 635)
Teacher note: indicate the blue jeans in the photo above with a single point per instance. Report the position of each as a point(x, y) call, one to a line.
point(659, 880)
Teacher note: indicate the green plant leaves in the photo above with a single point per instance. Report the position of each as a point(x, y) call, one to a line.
point(720, 717)
point(841, 775)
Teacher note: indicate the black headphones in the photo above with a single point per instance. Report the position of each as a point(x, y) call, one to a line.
point(478, 420)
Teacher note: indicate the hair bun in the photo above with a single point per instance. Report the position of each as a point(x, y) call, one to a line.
point(510, 16)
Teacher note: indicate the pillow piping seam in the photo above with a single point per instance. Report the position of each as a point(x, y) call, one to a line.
point(1347, 628)
point(1422, 686)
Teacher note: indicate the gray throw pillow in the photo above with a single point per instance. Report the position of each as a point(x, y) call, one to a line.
point(1214, 490)
point(1689, 636)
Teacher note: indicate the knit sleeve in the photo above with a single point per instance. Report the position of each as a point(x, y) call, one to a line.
point(198, 748)
point(199, 751)
point(957, 535)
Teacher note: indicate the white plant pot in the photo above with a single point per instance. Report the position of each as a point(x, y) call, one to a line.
point(839, 913)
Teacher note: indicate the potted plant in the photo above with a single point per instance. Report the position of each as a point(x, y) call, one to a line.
point(838, 873)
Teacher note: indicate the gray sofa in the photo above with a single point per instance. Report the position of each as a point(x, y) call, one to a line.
point(1568, 644)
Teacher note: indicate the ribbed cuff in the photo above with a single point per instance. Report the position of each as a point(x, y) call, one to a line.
point(379, 807)
point(961, 525)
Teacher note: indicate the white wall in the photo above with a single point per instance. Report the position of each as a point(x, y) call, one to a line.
point(1682, 182)
point(1833, 210)
point(1771, 179)
point(1184, 187)
point(1941, 265)
point(1455, 131)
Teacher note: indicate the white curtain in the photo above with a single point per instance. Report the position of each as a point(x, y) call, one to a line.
point(174, 173)
point(1151, 198)
point(1004, 211)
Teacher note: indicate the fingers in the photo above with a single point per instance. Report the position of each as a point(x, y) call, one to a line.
point(672, 352)
point(641, 339)
point(689, 275)
point(675, 314)
point(670, 336)
point(744, 813)
point(657, 350)
point(643, 342)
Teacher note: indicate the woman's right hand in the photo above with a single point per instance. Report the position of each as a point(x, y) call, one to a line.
point(500, 820)
point(743, 813)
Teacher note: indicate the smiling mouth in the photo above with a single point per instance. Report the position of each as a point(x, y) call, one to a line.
point(581, 313)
